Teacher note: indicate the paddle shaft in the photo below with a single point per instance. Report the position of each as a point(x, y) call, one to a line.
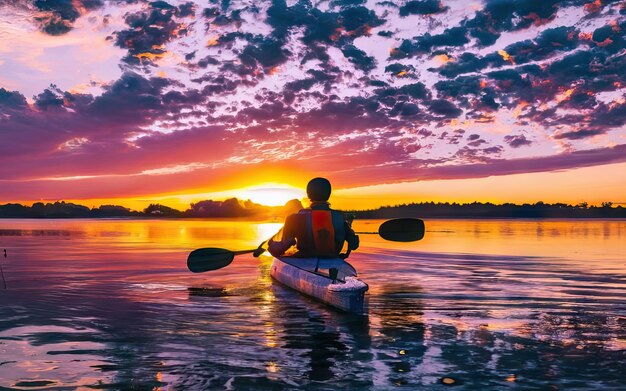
point(241, 252)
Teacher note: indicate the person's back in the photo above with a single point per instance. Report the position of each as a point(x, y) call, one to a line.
point(318, 231)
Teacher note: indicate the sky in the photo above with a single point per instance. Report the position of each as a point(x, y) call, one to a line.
point(130, 102)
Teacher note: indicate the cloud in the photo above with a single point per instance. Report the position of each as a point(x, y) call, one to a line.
point(422, 7)
point(399, 90)
point(517, 140)
point(578, 134)
point(455, 36)
point(148, 32)
point(266, 52)
point(359, 58)
point(11, 99)
point(57, 16)
point(444, 108)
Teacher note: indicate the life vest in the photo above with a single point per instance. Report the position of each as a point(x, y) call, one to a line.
point(324, 231)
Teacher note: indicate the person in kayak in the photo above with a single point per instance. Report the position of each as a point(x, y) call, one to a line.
point(317, 231)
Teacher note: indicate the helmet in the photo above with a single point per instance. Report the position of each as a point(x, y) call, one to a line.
point(318, 189)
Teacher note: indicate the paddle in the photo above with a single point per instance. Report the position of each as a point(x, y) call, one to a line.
point(402, 230)
point(211, 258)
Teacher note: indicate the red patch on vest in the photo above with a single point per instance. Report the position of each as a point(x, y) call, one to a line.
point(323, 231)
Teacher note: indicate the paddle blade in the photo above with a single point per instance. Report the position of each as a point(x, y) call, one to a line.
point(402, 230)
point(205, 259)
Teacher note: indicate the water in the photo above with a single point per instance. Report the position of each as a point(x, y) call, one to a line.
point(109, 304)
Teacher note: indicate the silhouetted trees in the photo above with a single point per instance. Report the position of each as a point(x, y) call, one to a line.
point(234, 208)
point(158, 210)
point(229, 208)
point(489, 210)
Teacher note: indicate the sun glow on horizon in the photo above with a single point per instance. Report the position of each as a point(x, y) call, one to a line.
point(594, 185)
point(270, 194)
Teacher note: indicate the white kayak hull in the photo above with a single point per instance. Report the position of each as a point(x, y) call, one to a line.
point(309, 276)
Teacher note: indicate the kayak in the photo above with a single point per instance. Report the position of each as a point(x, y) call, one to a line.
point(330, 280)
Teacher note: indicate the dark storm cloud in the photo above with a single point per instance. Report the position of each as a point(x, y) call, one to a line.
point(398, 68)
point(337, 28)
point(476, 143)
point(148, 32)
point(422, 7)
point(11, 100)
point(299, 85)
point(390, 95)
point(611, 115)
point(444, 108)
point(452, 37)
point(578, 134)
point(359, 58)
point(186, 9)
point(486, 26)
point(347, 3)
point(266, 52)
point(499, 16)
point(219, 16)
point(464, 85)
point(58, 17)
point(517, 140)
point(359, 19)
point(404, 109)
point(131, 95)
point(560, 39)
point(50, 98)
point(319, 25)
point(547, 44)
point(466, 63)
point(509, 80)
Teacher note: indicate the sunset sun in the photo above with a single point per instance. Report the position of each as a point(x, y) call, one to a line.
point(270, 194)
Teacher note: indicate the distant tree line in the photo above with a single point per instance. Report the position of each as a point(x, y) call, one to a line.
point(232, 208)
point(489, 210)
point(229, 208)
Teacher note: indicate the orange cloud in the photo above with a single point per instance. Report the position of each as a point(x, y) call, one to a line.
point(519, 108)
point(213, 41)
point(564, 95)
point(443, 58)
point(150, 56)
point(593, 7)
point(273, 70)
point(506, 56)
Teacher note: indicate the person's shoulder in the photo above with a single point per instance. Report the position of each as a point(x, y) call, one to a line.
point(297, 215)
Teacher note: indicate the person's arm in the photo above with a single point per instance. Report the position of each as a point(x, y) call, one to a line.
point(282, 241)
point(351, 238)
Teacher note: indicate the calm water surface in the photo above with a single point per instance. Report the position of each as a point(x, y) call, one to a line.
point(109, 304)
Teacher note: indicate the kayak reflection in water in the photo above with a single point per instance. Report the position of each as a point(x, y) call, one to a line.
point(317, 231)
